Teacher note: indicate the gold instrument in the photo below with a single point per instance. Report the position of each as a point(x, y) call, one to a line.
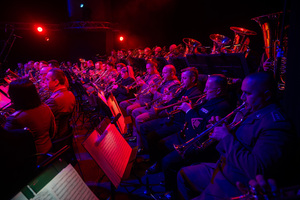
point(161, 97)
point(146, 90)
point(182, 148)
point(220, 42)
point(270, 25)
point(241, 40)
point(198, 102)
point(13, 74)
point(109, 88)
point(191, 45)
point(134, 84)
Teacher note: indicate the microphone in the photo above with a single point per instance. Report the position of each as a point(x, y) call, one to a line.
point(115, 119)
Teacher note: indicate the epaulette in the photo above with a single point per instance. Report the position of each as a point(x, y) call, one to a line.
point(277, 116)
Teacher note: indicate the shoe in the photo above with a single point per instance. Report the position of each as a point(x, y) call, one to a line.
point(167, 196)
point(155, 168)
point(132, 139)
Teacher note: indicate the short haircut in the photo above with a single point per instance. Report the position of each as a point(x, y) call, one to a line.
point(172, 68)
point(58, 74)
point(121, 65)
point(220, 80)
point(23, 94)
point(193, 72)
point(152, 63)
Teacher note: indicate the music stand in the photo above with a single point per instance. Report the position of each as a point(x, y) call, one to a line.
point(4, 99)
point(112, 154)
point(233, 65)
point(115, 110)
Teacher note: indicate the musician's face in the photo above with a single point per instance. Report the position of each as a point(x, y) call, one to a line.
point(211, 89)
point(186, 80)
point(254, 96)
point(51, 83)
point(150, 69)
point(166, 73)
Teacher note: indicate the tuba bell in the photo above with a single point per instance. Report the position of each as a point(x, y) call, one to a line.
point(220, 41)
point(241, 40)
point(191, 45)
point(271, 25)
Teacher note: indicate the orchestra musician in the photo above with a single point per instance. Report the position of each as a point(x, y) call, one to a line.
point(119, 90)
point(61, 102)
point(261, 144)
point(31, 113)
point(129, 105)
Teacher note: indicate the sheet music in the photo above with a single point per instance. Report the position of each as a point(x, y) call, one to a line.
point(66, 185)
point(110, 151)
point(115, 109)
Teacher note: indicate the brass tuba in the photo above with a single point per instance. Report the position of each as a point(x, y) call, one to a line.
point(241, 40)
point(270, 25)
point(220, 41)
point(191, 45)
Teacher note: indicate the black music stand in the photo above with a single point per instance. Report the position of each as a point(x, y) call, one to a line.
point(179, 63)
point(233, 65)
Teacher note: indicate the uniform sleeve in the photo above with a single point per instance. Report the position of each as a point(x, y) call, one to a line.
point(12, 123)
point(52, 105)
point(270, 147)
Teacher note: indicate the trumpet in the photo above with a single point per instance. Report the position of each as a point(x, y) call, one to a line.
point(198, 102)
point(134, 84)
point(109, 88)
point(162, 96)
point(182, 148)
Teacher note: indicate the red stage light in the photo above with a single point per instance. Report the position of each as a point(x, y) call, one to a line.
point(47, 39)
point(121, 38)
point(39, 29)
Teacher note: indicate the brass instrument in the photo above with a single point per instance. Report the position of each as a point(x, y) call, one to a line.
point(109, 88)
point(13, 74)
point(161, 97)
point(241, 40)
point(146, 90)
point(134, 84)
point(198, 102)
point(191, 45)
point(220, 42)
point(270, 25)
point(182, 148)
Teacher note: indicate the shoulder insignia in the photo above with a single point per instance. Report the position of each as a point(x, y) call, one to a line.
point(204, 110)
point(196, 122)
point(277, 116)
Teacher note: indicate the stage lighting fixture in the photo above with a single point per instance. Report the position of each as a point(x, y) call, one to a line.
point(81, 5)
point(121, 38)
point(39, 29)
point(47, 39)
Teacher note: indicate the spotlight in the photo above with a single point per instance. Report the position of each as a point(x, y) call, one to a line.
point(39, 29)
point(121, 38)
point(47, 39)
point(81, 5)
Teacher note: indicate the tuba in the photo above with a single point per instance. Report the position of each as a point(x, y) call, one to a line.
point(241, 40)
point(220, 41)
point(270, 25)
point(191, 45)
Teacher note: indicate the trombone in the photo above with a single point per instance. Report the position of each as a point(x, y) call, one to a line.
point(198, 102)
point(182, 148)
point(134, 84)
point(109, 88)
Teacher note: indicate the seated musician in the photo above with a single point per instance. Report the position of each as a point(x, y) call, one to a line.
point(261, 144)
point(188, 88)
point(119, 90)
point(142, 98)
point(31, 113)
point(61, 102)
point(111, 74)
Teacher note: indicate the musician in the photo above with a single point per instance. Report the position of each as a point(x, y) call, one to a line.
point(215, 102)
point(260, 145)
point(31, 113)
point(61, 102)
point(131, 104)
point(189, 88)
point(170, 84)
point(119, 90)
point(111, 74)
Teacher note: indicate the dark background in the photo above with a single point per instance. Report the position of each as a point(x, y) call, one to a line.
point(142, 23)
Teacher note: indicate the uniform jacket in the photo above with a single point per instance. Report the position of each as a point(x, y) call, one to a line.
point(121, 93)
point(62, 104)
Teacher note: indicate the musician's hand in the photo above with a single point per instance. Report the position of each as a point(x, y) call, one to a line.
point(220, 132)
point(212, 121)
point(185, 107)
point(184, 98)
point(115, 86)
point(259, 186)
point(167, 97)
point(267, 65)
